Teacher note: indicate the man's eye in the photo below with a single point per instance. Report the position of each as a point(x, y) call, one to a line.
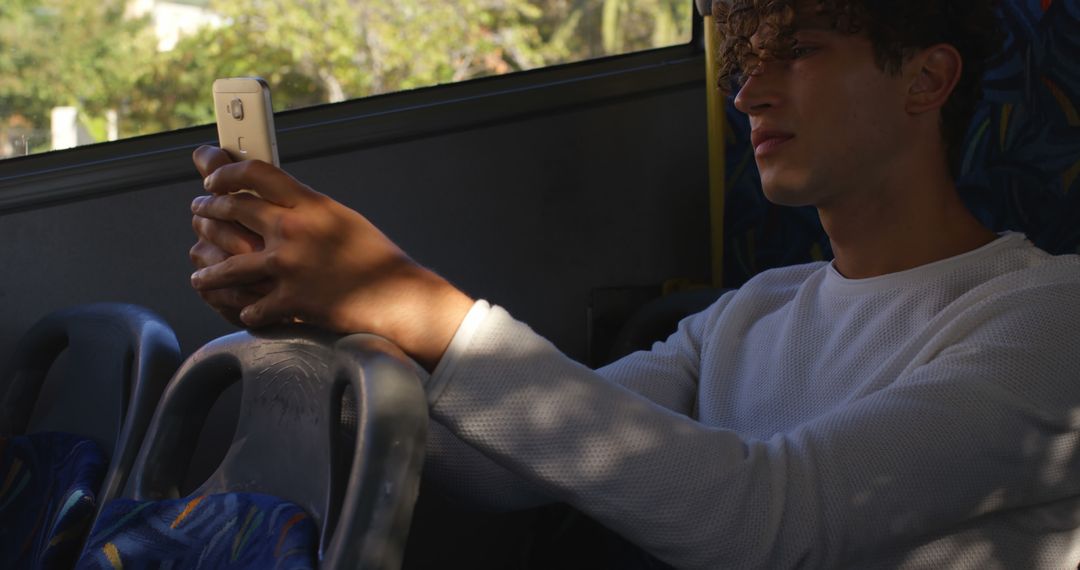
point(750, 66)
point(801, 51)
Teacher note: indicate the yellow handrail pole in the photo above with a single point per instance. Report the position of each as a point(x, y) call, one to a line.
point(715, 105)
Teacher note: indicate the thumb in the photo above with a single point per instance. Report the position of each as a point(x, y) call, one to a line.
point(207, 159)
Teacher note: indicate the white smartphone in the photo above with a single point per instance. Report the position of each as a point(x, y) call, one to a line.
point(245, 119)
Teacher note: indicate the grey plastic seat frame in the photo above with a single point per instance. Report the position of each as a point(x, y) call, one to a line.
point(303, 390)
point(118, 358)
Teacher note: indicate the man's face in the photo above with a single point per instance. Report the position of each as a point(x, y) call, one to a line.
point(825, 123)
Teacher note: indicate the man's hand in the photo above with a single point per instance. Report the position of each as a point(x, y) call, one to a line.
point(217, 241)
point(297, 254)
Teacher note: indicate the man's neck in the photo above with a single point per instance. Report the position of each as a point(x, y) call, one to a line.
point(881, 231)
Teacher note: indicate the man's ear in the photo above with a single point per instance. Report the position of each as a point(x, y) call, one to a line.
point(934, 73)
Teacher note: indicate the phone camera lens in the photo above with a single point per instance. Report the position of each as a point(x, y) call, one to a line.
point(236, 108)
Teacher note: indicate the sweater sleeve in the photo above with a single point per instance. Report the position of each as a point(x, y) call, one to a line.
point(988, 421)
point(666, 375)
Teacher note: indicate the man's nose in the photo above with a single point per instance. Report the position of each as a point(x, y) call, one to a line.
point(759, 90)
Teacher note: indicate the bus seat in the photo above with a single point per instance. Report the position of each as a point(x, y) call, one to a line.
point(657, 319)
point(1021, 159)
point(323, 469)
point(1020, 167)
point(75, 401)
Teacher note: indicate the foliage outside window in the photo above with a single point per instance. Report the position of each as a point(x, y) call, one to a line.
point(119, 68)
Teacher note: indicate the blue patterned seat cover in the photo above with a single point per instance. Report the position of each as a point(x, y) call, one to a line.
point(48, 489)
point(231, 530)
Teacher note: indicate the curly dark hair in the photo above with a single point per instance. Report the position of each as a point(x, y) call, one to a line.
point(896, 28)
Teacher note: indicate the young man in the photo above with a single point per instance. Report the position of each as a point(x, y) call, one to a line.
point(912, 404)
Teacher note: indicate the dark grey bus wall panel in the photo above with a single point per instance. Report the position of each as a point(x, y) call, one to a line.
point(530, 213)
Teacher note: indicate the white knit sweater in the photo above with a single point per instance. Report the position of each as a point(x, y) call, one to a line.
point(924, 419)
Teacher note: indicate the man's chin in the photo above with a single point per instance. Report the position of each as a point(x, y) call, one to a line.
point(787, 195)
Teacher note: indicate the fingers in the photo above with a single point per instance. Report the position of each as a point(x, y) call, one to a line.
point(235, 271)
point(254, 216)
point(229, 302)
point(272, 183)
point(204, 254)
point(254, 306)
point(268, 310)
point(207, 159)
point(231, 238)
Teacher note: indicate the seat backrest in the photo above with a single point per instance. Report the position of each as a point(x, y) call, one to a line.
point(117, 359)
point(335, 425)
point(1021, 158)
point(657, 319)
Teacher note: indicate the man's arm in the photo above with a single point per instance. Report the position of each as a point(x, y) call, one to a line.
point(299, 255)
point(314, 260)
point(666, 375)
point(984, 426)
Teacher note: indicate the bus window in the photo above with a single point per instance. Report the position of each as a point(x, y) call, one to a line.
point(74, 72)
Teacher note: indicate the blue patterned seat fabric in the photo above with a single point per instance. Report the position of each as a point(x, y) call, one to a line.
point(231, 530)
point(1021, 159)
point(48, 489)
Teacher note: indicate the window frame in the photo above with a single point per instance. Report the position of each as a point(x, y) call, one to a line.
point(106, 168)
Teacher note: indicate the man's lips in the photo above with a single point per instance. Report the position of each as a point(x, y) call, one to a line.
point(764, 140)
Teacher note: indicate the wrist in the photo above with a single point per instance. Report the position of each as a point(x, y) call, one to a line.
point(430, 313)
